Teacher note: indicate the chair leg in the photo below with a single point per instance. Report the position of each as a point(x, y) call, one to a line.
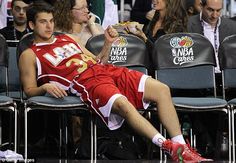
point(95, 138)
point(233, 134)
point(66, 136)
point(60, 136)
point(0, 129)
point(26, 133)
point(229, 131)
point(92, 137)
point(163, 157)
point(15, 130)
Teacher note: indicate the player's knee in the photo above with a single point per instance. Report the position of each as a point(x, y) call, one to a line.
point(164, 89)
point(121, 106)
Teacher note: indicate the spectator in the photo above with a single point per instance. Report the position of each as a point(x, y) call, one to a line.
point(210, 24)
point(19, 27)
point(100, 85)
point(72, 16)
point(170, 17)
point(193, 7)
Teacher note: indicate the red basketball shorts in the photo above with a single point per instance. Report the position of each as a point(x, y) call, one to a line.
point(99, 86)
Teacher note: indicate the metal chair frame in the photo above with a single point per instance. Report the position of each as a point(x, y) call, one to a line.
point(199, 74)
point(227, 63)
point(7, 103)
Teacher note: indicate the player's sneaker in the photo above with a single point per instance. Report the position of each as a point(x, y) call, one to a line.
point(190, 155)
point(174, 149)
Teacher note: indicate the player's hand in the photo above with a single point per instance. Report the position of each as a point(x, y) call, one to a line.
point(111, 34)
point(54, 90)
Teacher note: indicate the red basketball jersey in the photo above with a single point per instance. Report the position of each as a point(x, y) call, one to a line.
point(60, 61)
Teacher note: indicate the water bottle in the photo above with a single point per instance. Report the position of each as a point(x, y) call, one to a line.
point(224, 145)
point(186, 126)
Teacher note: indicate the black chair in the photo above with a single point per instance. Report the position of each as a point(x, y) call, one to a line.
point(186, 62)
point(6, 102)
point(128, 51)
point(14, 79)
point(49, 103)
point(227, 57)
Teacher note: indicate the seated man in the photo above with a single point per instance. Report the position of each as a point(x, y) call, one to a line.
point(56, 64)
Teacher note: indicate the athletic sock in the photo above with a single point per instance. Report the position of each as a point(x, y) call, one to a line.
point(158, 139)
point(179, 139)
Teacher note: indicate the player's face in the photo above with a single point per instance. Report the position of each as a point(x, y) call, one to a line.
point(43, 27)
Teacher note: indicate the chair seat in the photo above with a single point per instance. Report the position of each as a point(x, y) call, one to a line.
point(201, 103)
point(7, 103)
point(14, 94)
point(53, 103)
point(233, 101)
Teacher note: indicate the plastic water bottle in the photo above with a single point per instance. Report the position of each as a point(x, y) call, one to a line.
point(224, 146)
point(186, 126)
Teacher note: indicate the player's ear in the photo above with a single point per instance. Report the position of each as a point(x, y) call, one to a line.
point(31, 25)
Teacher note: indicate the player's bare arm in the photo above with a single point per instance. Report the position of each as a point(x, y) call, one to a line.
point(27, 66)
point(110, 36)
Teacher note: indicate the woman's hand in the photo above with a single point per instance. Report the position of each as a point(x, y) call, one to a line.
point(91, 20)
point(136, 29)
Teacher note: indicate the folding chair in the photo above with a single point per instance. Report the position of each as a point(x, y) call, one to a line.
point(14, 79)
point(6, 103)
point(186, 61)
point(227, 56)
point(49, 103)
point(129, 51)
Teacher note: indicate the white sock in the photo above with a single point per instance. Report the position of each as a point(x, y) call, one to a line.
point(178, 139)
point(158, 139)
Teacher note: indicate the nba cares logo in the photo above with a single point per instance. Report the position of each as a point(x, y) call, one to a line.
point(182, 50)
point(118, 51)
point(184, 42)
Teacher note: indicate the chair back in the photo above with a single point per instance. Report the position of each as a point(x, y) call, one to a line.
point(24, 43)
point(15, 90)
point(3, 51)
point(227, 59)
point(128, 50)
point(184, 61)
point(3, 65)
